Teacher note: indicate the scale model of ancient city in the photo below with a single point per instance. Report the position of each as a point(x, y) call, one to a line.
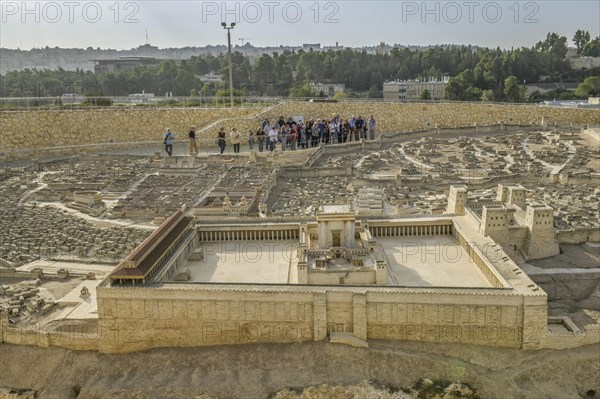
point(451, 224)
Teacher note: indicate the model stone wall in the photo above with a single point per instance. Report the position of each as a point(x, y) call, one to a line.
point(578, 236)
point(490, 325)
point(26, 132)
point(133, 319)
point(37, 129)
point(39, 337)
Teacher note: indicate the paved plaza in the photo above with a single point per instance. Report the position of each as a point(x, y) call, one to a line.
point(265, 262)
point(436, 261)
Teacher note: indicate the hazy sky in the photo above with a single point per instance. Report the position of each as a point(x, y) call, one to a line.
point(123, 24)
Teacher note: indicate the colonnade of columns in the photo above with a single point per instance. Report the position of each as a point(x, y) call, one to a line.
point(395, 231)
point(293, 234)
point(246, 235)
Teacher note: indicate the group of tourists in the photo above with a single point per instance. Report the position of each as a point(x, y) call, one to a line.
point(292, 135)
point(288, 133)
point(169, 137)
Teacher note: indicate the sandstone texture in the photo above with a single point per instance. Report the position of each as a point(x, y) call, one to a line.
point(32, 131)
point(259, 371)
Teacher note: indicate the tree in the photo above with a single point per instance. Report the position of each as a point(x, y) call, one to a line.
point(592, 49)
point(589, 87)
point(487, 95)
point(552, 52)
point(340, 95)
point(208, 89)
point(462, 87)
point(554, 44)
point(264, 72)
point(425, 95)
point(583, 90)
point(303, 91)
point(167, 73)
point(511, 89)
point(594, 82)
point(184, 81)
point(581, 39)
point(475, 72)
point(472, 94)
point(53, 87)
point(375, 92)
point(454, 89)
point(148, 81)
point(237, 93)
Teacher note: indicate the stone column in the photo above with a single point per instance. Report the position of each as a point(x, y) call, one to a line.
point(322, 234)
point(320, 316)
point(359, 315)
point(349, 234)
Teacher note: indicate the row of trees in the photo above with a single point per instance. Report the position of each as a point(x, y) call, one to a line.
point(585, 46)
point(502, 75)
point(478, 73)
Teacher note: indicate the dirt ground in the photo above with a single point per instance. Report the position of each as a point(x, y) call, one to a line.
point(572, 282)
point(582, 256)
point(259, 371)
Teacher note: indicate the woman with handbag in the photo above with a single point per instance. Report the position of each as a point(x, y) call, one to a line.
point(235, 140)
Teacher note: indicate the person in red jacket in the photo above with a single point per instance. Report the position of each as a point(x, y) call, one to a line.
point(293, 138)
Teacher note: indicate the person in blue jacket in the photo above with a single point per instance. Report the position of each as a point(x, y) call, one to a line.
point(168, 138)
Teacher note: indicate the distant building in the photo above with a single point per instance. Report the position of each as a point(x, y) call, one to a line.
point(123, 63)
point(311, 46)
point(571, 52)
point(4, 66)
point(411, 90)
point(211, 77)
point(328, 89)
point(146, 50)
point(139, 98)
point(585, 62)
point(591, 102)
point(71, 98)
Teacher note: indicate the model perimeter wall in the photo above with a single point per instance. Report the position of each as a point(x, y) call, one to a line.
point(578, 236)
point(28, 132)
point(141, 318)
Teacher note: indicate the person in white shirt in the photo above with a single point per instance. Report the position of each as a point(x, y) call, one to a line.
point(272, 138)
point(333, 132)
point(372, 125)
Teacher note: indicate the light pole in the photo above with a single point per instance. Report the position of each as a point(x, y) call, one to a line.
point(229, 28)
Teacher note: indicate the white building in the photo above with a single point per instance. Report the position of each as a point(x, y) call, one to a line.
point(328, 89)
point(139, 98)
point(211, 77)
point(411, 90)
point(311, 46)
